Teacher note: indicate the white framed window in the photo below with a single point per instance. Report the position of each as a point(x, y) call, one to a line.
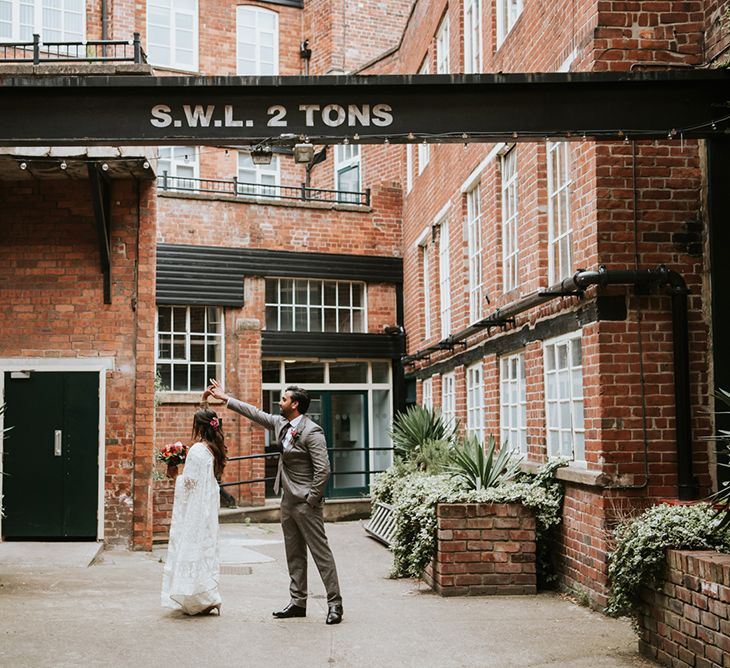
point(508, 11)
point(347, 172)
point(474, 253)
point(172, 33)
point(177, 168)
point(53, 20)
point(563, 362)
point(444, 278)
point(314, 305)
point(409, 168)
point(257, 41)
point(560, 232)
point(424, 150)
point(427, 393)
point(448, 398)
point(472, 36)
point(257, 179)
point(475, 401)
point(443, 46)
point(510, 243)
point(426, 288)
point(513, 401)
point(189, 346)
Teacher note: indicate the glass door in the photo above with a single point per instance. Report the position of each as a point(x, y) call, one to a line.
point(346, 428)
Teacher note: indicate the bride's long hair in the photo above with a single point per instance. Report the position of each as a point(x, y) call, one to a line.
point(212, 434)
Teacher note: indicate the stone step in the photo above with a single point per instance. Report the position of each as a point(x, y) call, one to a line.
point(335, 510)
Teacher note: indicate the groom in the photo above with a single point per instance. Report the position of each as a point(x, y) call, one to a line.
point(302, 475)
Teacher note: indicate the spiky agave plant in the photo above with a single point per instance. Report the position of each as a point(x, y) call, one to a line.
point(416, 426)
point(721, 498)
point(481, 469)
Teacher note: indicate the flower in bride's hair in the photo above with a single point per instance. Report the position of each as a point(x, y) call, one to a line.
point(215, 423)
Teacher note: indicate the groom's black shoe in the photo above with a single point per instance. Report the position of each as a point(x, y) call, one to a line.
point(334, 614)
point(291, 610)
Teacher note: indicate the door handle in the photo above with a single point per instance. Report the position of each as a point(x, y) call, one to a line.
point(57, 442)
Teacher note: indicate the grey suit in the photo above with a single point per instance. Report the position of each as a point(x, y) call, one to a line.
point(303, 473)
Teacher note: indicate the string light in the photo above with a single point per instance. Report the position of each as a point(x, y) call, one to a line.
point(105, 167)
point(356, 137)
point(345, 141)
point(63, 165)
point(411, 136)
point(386, 141)
point(23, 165)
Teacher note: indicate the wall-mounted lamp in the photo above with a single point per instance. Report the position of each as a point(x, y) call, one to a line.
point(261, 155)
point(303, 152)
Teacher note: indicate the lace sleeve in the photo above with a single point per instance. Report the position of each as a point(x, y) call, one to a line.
point(195, 468)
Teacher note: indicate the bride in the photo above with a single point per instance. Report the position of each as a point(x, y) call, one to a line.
point(190, 577)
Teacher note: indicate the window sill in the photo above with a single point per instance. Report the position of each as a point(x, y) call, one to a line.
point(572, 473)
point(181, 398)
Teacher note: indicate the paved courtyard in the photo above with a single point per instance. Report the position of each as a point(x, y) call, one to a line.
point(58, 611)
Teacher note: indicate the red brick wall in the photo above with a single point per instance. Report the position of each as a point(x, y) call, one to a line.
point(52, 305)
point(685, 621)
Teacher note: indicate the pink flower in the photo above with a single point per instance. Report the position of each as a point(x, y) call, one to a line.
point(215, 423)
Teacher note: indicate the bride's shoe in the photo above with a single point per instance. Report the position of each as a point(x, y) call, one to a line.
point(210, 608)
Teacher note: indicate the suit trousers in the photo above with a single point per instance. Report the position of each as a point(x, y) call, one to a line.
point(303, 528)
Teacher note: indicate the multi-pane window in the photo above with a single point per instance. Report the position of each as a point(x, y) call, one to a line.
point(53, 20)
point(177, 167)
point(448, 398)
point(445, 279)
point(347, 172)
point(443, 57)
point(474, 252)
point(189, 346)
point(510, 248)
point(508, 11)
point(424, 150)
point(513, 401)
point(472, 36)
point(409, 168)
point(475, 401)
point(257, 41)
point(427, 390)
point(426, 288)
point(172, 33)
point(310, 305)
point(560, 232)
point(257, 179)
point(564, 397)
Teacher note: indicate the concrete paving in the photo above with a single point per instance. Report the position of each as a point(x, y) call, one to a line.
point(56, 610)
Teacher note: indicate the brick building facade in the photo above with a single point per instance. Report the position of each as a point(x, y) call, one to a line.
point(478, 227)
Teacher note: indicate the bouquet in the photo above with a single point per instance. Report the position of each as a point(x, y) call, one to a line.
point(173, 454)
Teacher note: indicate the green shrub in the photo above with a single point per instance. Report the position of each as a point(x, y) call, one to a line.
point(641, 544)
point(721, 498)
point(478, 469)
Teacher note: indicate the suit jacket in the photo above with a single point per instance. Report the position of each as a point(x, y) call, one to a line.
point(305, 466)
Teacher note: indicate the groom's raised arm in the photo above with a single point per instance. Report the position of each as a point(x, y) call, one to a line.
point(247, 410)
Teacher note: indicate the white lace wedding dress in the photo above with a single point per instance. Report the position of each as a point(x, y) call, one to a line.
point(192, 570)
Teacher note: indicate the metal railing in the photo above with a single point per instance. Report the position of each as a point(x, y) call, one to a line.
point(94, 51)
point(244, 189)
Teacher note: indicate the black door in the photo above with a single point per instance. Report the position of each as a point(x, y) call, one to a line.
point(51, 455)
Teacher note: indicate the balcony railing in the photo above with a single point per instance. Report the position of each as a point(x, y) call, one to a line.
point(97, 51)
point(236, 188)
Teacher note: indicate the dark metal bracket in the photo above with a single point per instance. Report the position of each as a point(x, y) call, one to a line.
point(101, 199)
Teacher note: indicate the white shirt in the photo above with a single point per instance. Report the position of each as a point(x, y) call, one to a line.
point(288, 439)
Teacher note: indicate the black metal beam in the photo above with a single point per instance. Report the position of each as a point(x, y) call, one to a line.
point(405, 108)
point(101, 200)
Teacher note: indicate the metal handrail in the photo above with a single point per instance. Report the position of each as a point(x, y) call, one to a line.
point(244, 189)
point(92, 51)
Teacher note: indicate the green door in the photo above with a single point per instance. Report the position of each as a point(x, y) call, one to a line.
point(51, 455)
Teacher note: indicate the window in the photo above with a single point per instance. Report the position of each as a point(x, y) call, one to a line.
point(560, 234)
point(510, 249)
point(254, 179)
point(474, 249)
point(448, 398)
point(189, 346)
point(472, 36)
point(513, 401)
point(427, 389)
point(564, 397)
point(424, 150)
point(508, 11)
point(426, 287)
point(475, 402)
point(172, 33)
point(177, 168)
point(444, 279)
point(302, 305)
point(443, 59)
point(53, 20)
point(409, 168)
point(347, 172)
point(257, 41)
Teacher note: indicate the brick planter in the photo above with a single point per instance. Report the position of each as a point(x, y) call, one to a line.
point(686, 622)
point(483, 549)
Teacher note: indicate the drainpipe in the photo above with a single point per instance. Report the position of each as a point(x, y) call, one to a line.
point(104, 20)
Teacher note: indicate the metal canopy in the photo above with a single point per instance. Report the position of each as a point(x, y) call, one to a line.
point(124, 110)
